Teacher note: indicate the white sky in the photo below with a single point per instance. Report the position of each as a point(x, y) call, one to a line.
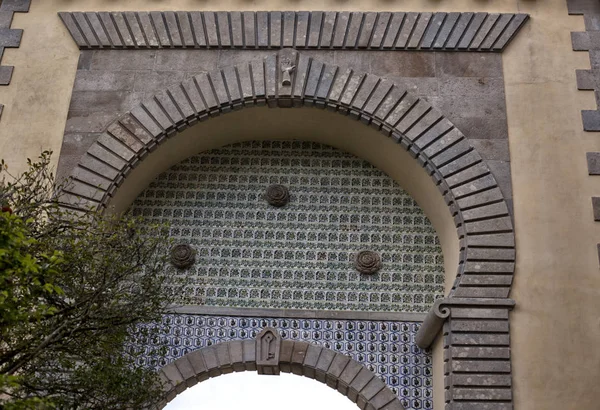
point(251, 391)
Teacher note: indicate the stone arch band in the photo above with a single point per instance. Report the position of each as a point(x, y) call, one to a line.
point(338, 371)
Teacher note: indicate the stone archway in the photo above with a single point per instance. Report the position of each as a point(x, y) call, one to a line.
point(477, 352)
point(469, 189)
point(338, 371)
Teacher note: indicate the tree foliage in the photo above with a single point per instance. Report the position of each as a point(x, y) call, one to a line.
point(73, 287)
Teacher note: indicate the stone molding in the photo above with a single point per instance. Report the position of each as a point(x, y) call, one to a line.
point(10, 38)
point(298, 313)
point(489, 32)
point(338, 371)
point(476, 339)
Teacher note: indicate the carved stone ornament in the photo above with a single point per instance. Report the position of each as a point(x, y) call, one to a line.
point(277, 195)
point(367, 262)
point(268, 346)
point(287, 68)
point(183, 256)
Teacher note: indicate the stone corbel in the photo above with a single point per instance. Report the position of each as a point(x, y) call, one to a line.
point(441, 309)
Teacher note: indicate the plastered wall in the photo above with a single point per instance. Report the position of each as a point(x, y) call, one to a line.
point(555, 325)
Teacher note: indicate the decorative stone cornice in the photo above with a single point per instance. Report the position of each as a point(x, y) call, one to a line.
point(298, 29)
point(440, 311)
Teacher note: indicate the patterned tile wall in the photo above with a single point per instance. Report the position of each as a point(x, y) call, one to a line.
point(250, 254)
point(387, 348)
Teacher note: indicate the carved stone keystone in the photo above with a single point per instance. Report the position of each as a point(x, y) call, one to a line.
point(287, 67)
point(268, 346)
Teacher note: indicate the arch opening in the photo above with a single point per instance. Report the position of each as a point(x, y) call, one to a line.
point(249, 391)
point(336, 370)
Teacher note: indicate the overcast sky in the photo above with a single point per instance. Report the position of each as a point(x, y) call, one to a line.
point(251, 391)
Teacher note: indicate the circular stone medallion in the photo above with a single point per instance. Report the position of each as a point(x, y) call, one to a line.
point(183, 256)
point(367, 262)
point(277, 195)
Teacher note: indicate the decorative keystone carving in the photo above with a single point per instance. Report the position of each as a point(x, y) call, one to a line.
point(277, 195)
point(440, 311)
point(287, 68)
point(268, 346)
point(367, 262)
point(183, 256)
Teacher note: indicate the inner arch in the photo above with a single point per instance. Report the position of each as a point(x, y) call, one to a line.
point(299, 256)
point(309, 125)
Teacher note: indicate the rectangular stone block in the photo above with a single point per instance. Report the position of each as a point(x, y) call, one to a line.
point(21, 6)
point(393, 30)
point(486, 280)
point(473, 187)
point(172, 374)
point(187, 35)
point(366, 32)
point(223, 28)
point(98, 29)
point(481, 406)
point(302, 18)
point(433, 29)
point(135, 29)
point(497, 254)
point(492, 380)
point(479, 313)
point(487, 25)
point(596, 208)
point(6, 72)
point(480, 352)
point(447, 28)
point(503, 223)
point(198, 28)
point(593, 162)
point(363, 377)
point(348, 374)
point(591, 120)
point(480, 198)
point(481, 326)
point(10, 37)
point(480, 366)
point(482, 394)
point(85, 28)
point(419, 29)
point(482, 292)
point(210, 25)
point(499, 239)
point(423, 125)
point(467, 339)
point(407, 28)
point(353, 31)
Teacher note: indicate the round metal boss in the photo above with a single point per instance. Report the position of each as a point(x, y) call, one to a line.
point(367, 262)
point(183, 256)
point(277, 195)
